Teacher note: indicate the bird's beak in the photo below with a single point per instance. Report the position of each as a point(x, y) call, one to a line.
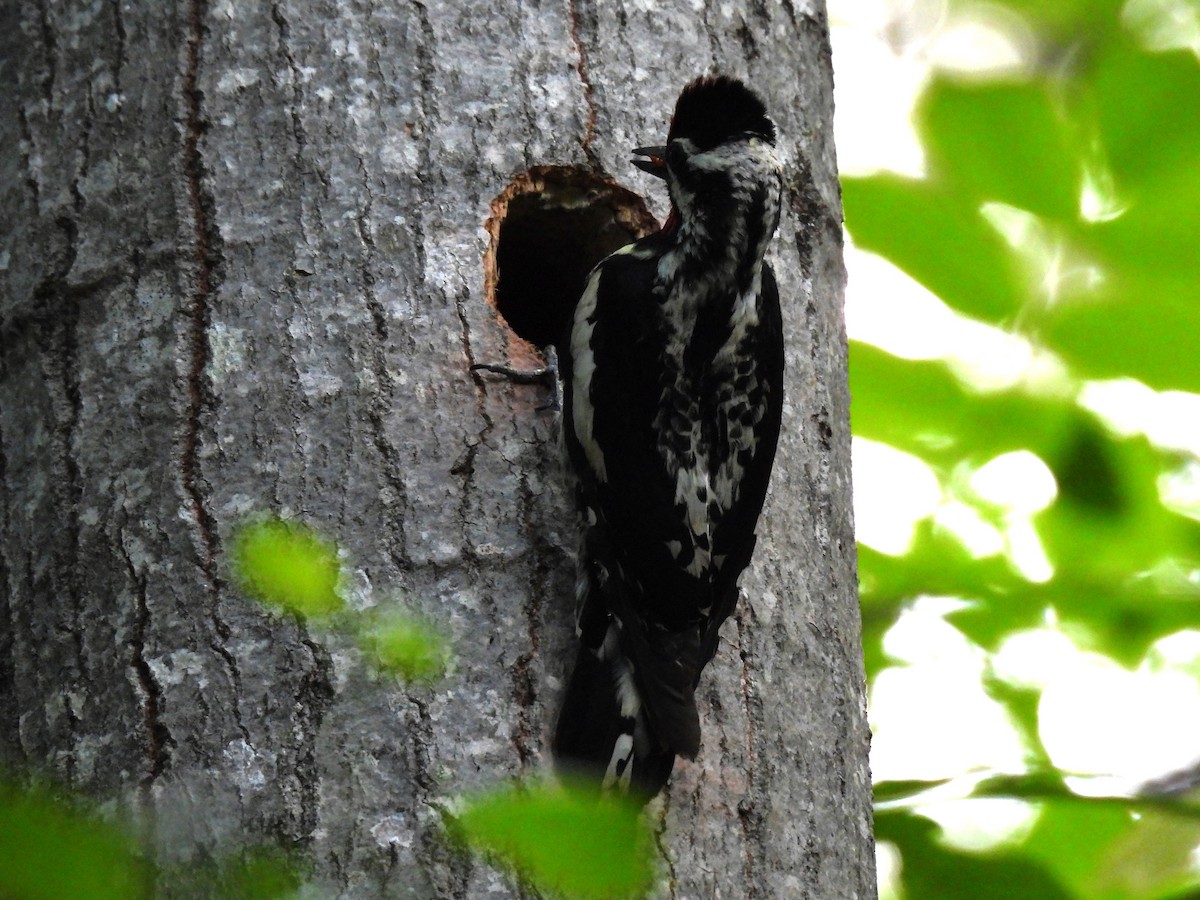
point(656, 164)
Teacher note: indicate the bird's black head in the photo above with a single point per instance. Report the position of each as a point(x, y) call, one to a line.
point(712, 111)
point(720, 162)
point(715, 108)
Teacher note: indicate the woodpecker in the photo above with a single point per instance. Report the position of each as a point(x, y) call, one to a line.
point(672, 398)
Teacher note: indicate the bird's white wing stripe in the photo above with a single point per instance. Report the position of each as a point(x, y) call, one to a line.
point(583, 367)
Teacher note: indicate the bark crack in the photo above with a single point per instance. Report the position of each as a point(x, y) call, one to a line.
point(425, 62)
point(465, 465)
point(27, 145)
point(298, 132)
point(206, 259)
point(51, 45)
point(581, 68)
point(314, 698)
point(524, 74)
point(10, 716)
point(56, 338)
point(150, 693)
point(383, 398)
point(122, 42)
point(200, 311)
point(69, 355)
point(85, 150)
point(714, 41)
point(524, 680)
point(422, 739)
point(660, 834)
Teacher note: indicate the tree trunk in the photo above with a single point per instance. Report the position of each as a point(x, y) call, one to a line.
point(244, 272)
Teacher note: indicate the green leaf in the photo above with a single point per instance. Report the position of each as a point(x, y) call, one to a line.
point(1130, 324)
point(1153, 858)
point(288, 566)
point(896, 791)
point(939, 565)
point(258, 873)
point(932, 870)
point(939, 238)
point(1108, 521)
point(1022, 706)
point(563, 840)
point(1066, 22)
point(1088, 476)
point(1001, 141)
point(407, 646)
point(261, 875)
point(1071, 840)
point(50, 850)
point(1147, 107)
point(879, 614)
point(922, 408)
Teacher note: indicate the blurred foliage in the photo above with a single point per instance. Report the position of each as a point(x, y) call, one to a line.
point(53, 848)
point(260, 873)
point(290, 567)
point(406, 645)
point(1097, 152)
point(285, 565)
point(560, 840)
point(50, 849)
point(569, 842)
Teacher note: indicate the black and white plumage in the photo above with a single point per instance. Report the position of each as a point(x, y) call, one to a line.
point(673, 391)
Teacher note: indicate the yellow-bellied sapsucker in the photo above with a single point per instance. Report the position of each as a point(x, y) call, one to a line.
point(672, 397)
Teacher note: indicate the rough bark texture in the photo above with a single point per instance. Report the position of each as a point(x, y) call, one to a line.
point(243, 271)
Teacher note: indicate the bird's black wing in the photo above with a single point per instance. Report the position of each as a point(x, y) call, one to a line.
point(734, 535)
point(611, 397)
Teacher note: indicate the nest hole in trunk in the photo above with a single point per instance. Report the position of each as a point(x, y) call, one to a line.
point(548, 228)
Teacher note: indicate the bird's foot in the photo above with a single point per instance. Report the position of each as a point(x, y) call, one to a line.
point(547, 375)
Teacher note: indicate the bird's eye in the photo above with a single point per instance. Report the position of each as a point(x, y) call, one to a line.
point(675, 155)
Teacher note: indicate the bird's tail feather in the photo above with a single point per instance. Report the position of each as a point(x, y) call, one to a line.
point(599, 742)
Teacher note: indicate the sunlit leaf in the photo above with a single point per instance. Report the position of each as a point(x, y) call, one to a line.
point(569, 842)
point(1130, 323)
point(1109, 520)
point(1101, 142)
point(49, 850)
point(1148, 109)
point(1072, 839)
point(1049, 786)
point(922, 408)
point(931, 869)
point(288, 566)
point(999, 600)
point(939, 238)
point(877, 618)
point(1021, 704)
point(1155, 857)
point(1002, 141)
point(1122, 618)
point(1130, 328)
point(896, 791)
point(1066, 20)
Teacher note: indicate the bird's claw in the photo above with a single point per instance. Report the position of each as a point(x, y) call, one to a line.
point(547, 375)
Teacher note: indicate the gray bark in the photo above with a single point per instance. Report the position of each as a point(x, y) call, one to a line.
point(242, 271)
